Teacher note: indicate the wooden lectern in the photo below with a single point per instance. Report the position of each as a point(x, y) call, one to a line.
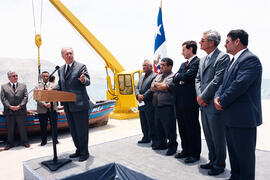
point(54, 96)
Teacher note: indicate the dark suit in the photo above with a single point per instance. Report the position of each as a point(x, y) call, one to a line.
point(208, 80)
point(76, 112)
point(9, 97)
point(147, 111)
point(187, 108)
point(240, 97)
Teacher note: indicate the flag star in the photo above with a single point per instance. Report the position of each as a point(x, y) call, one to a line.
point(158, 31)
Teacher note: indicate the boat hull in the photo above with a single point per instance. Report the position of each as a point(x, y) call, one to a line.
point(98, 116)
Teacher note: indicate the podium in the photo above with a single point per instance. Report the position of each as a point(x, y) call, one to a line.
point(54, 96)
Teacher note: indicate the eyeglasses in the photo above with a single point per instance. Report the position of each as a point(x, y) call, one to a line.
point(163, 64)
point(227, 42)
point(204, 40)
point(45, 76)
point(14, 76)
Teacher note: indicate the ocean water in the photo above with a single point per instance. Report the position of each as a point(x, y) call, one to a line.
point(266, 89)
point(97, 91)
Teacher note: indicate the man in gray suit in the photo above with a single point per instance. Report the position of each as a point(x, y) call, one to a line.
point(144, 96)
point(14, 97)
point(74, 77)
point(207, 82)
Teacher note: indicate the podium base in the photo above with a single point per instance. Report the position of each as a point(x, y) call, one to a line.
point(54, 165)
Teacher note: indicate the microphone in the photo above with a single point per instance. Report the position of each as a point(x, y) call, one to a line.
point(56, 68)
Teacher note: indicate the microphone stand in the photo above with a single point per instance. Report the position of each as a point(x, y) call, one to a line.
point(56, 163)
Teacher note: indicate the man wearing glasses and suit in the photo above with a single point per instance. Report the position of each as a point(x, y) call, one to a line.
point(239, 100)
point(14, 97)
point(208, 80)
point(74, 77)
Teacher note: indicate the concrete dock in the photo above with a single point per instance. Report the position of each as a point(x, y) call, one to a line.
point(118, 138)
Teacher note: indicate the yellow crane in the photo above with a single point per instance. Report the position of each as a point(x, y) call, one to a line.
point(124, 84)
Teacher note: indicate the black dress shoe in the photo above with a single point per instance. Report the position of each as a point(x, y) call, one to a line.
point(159, 147)
point(215, 171)
point(143, 141)
point(180, 155)
point(171, 152)
point(83, 158)
point(43, 143)
point(191, 159)
point(74, 155)
point(206, 166)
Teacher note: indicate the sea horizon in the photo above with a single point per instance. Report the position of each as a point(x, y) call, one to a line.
point(97, 92)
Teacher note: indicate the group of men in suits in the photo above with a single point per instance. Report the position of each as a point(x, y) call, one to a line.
point(228, 93)
point(73, 77)
point(155, 96)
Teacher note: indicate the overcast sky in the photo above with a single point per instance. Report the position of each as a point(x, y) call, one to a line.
point(127, 28)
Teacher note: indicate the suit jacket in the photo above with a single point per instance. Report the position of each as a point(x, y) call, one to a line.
point(210, 77)
point(185, 93)
point(145, 90)
point(70, 83)
point(11, 98)
point(240, 92)
point(41, 108)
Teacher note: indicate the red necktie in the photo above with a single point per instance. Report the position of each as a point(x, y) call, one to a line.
point(186, 63)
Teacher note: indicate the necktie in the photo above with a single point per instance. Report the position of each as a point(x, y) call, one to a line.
point(206, 61)
point(231, 62)
point(14, 87)
point(186, 63)
point(67, 71)
point(145, 76)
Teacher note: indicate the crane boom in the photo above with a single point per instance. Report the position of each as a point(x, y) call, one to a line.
point(123, 90)
point(109, 59)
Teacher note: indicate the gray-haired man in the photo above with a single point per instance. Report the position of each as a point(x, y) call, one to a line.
point(14, 97)
point(207, 82)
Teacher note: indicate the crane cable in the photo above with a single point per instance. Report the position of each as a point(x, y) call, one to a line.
point(38, 39)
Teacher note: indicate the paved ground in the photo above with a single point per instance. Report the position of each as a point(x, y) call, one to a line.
point(141, 158)
point(11, 160)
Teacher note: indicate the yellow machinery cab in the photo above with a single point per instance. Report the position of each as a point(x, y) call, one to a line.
point(126, 104)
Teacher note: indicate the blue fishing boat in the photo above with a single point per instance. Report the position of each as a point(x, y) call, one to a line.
point(98, 116)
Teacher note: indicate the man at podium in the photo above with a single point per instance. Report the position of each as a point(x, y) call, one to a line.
point(74, 77)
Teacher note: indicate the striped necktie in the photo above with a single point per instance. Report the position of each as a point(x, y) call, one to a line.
point(206, 61)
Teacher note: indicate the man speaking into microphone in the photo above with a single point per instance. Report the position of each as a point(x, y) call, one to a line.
point(74, 77)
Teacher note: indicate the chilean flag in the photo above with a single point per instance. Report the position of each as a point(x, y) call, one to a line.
point(160, 40)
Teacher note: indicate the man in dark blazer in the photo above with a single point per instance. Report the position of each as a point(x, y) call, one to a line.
point(14, 97)
point(208, 80)
point(144, 96)
point(239, 100)
point(74, 77)
point(187, 108)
